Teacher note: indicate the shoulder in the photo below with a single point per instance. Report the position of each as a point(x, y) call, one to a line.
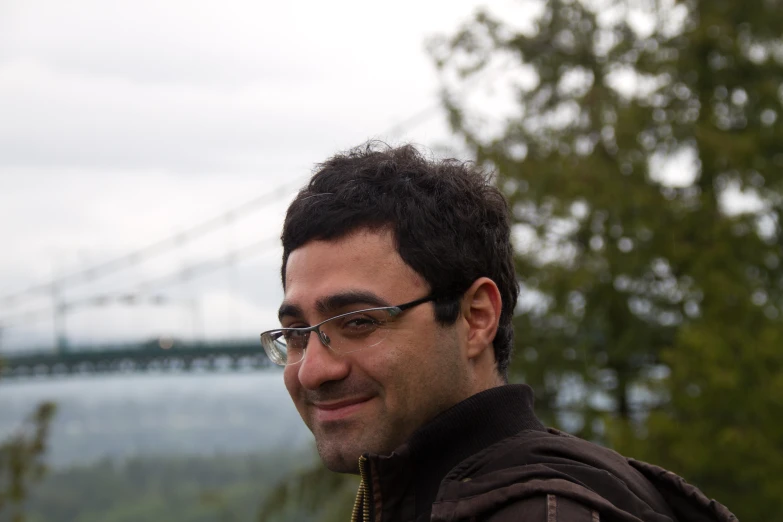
point(550, 476)
point(551, 453)
point(534, 472)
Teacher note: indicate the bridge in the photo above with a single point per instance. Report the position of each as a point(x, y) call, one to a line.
point(98, 287)
point(164, 355)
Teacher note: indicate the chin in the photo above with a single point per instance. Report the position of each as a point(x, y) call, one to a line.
point(339, 461)
point(340, 452)
point(341, 444)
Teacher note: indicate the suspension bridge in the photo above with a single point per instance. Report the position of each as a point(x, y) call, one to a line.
point(160, 354)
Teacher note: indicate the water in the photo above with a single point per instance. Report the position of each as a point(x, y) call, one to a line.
point(118, 416)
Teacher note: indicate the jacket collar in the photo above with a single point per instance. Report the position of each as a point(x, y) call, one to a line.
point(404, 484)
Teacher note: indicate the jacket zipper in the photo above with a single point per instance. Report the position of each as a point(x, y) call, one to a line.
point(363, 498)
point(357, 504)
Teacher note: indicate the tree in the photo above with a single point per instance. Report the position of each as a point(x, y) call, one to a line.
point(316, 492)
point(640, 146)
point(21, 461)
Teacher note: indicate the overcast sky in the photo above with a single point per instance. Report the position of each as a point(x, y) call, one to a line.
point(122, 123)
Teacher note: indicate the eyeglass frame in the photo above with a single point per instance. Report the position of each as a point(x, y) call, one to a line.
point(394, 312)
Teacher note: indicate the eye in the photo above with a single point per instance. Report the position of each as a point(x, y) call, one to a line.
point(360, 322)
point(359, 325)
point(294, 335)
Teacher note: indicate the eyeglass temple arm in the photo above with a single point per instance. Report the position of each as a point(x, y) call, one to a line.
point(403, 307)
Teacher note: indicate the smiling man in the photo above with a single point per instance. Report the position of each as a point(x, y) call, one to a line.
point(396, 337)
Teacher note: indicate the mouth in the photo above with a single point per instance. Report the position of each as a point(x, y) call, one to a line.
point(334, 411)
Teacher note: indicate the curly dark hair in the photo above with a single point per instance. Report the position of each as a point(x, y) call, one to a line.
point(450, 224)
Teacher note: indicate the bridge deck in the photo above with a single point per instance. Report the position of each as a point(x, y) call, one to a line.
point(153, 356)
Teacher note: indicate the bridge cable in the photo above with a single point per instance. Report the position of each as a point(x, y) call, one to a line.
point(174, 241)
point(195, 270)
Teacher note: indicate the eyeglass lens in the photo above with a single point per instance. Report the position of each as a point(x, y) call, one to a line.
point(342, 334)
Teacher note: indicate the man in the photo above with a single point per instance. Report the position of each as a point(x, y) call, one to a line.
point(396, 338)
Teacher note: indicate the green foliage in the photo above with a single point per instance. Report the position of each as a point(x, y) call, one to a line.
point(654, 300)
point(21, 461)
point(324, 495)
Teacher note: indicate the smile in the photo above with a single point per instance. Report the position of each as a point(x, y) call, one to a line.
point(329, 412)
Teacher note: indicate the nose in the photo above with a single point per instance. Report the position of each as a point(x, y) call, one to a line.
point(321, 364)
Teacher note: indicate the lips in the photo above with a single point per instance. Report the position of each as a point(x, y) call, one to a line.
point(333, 411)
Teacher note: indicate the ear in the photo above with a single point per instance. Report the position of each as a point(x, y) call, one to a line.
point(481, 307)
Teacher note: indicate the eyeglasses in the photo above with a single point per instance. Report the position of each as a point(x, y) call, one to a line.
point(344, 333)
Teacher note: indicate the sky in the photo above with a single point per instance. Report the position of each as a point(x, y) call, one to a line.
point(124, 123)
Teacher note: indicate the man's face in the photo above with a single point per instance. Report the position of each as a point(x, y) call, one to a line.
point(373, 399)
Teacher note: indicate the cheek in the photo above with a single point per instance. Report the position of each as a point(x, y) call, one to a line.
point(430, 363)
point(402, 367)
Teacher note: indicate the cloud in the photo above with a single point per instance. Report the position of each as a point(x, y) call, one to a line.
point(202, 87)
point(109, 123)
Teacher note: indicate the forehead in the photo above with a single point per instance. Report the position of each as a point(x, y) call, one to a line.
point(364, 260)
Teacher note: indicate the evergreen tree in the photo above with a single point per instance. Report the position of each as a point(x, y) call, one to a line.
point(640, 144)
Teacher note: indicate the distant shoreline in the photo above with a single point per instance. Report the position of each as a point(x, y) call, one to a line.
point(121, 416)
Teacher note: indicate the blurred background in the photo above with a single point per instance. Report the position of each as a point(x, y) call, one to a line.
point(148, 152)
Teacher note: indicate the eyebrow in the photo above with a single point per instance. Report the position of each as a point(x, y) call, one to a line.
point(334, 302)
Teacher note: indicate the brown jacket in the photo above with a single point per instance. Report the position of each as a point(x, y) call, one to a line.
point(490, 459)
